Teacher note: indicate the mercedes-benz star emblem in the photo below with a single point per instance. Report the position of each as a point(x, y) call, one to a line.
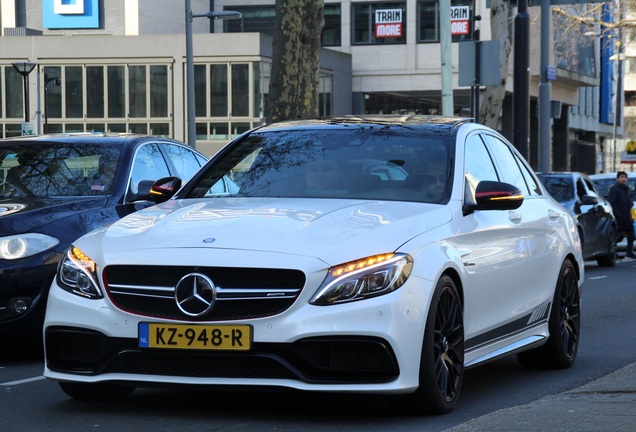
point(195, 294)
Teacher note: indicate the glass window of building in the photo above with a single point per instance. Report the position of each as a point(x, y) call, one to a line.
point(90, 95)
point(332, 29)
point(137, 91)
point(13, 91)
point(324, 97)
point(378, 23)
point(159, 91)
point(428, 20)
point(258, 99)
point(256, 19)
point(74, 92)
point(218, 90)
point(116, 92)
point(200, 84)
point(95, 91)
point(240, 90)
point(52, 93)
point(260, 19)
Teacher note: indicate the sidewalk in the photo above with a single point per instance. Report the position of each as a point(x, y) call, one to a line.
point(607, 404)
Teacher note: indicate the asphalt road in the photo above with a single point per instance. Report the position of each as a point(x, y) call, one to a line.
point(30, 402)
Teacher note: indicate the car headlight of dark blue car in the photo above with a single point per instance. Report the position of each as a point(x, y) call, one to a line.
point(25, 245)
point(78, 274)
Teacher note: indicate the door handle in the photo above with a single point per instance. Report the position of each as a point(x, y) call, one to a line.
point(514, 217)
point(553, 215)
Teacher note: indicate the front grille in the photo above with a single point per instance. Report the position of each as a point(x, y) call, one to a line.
point(241, 293)
point(316, 360)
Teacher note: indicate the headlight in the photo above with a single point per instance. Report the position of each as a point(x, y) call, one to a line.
point(78, 274)
point(368, 277)
point(24, 245)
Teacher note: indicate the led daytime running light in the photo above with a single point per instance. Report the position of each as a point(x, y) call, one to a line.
point(81, 259)
point(359, 264)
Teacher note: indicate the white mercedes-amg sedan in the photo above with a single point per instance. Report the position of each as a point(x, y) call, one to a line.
point(380, 254)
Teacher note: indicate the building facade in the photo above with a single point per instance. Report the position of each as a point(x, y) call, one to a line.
point(121, 66)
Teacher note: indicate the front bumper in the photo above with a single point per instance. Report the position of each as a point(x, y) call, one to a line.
point(372, 345)
point(23, 290)
point(312, 360)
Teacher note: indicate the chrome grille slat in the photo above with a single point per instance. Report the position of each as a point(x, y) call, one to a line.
point(122, 288)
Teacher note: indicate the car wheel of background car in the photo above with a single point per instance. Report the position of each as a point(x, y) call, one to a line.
point(559, 352)
point(609, 260)
point(442, 362)
point(100, 392)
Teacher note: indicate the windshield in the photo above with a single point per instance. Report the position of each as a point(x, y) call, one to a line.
point(57, 170)
point(372, 163)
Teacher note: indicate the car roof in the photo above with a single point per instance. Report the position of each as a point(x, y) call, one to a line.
point(417, 121)
point(562, 173)
point(611, 175)
point(88, 137)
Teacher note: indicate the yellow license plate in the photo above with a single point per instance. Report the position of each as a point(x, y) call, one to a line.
point(195, 336)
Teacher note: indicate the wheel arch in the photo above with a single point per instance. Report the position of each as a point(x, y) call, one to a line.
point(454, 275)
point(577, 265)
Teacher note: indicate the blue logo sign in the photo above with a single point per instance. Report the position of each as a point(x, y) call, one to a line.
point(70, 14)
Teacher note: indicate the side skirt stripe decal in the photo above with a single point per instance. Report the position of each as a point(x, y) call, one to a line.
point(540, 313)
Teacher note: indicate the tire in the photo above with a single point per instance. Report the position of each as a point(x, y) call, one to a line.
point(609, 260)
point(101, 392)
point(559, 352)
point(442, 360)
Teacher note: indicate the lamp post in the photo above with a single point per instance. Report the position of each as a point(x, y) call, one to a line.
point(47, 80)
point(192, 138)
point(24, 68)
point(618, 89)
point(617, 108)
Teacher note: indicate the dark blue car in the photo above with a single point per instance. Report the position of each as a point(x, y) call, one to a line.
point(54, 189)
point(592, 212)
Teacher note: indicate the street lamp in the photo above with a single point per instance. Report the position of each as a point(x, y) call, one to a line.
point(47, 80)
point(192, 138)
point(25, 68)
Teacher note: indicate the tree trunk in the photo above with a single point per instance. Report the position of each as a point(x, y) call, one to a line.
point(294, 82)
point(501, 27)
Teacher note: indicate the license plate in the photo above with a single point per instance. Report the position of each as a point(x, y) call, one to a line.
point(195, 336)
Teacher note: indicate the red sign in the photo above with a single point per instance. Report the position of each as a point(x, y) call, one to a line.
point(460, 27)
point(388, 30)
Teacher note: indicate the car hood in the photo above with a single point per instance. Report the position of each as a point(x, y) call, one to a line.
point(338, 229)
point(19, 215)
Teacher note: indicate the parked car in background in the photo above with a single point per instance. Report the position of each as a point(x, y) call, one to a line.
point(317, 274)
point(593, 213)
point(54, 189)
point(604, 181)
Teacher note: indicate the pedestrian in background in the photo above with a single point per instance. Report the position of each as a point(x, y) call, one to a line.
point(622, 206)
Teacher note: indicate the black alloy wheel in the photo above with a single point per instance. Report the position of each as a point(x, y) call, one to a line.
point(559, 352)
point(442, 361)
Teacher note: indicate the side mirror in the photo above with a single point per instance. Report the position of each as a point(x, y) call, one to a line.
point(494, 195)
point(164, 189)
point(589, 200)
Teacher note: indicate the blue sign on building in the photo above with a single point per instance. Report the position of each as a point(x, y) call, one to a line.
point(67, 14)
